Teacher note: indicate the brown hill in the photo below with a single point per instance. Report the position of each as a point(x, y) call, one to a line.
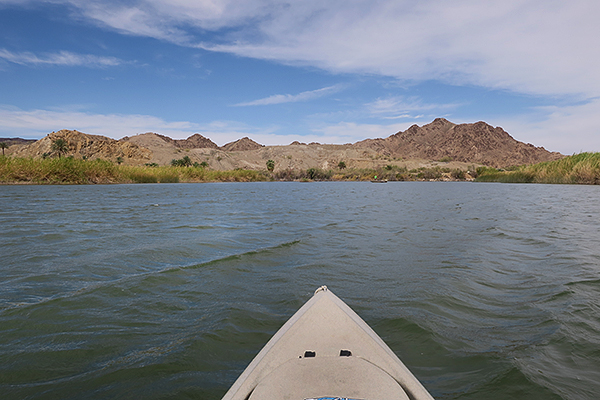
point(13, 141)
point(243, 144)
point(478, 143)
point(464, 144)
point(81, 145)
point(196, 141)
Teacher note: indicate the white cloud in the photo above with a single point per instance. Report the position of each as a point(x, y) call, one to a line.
point(38, 123)
point(527, 46)
point(292, 98)
point(568, 129)
point(397, 107)
point(62, 58)
point(351, 132)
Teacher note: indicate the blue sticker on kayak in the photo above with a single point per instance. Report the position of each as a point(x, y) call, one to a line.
point(331, 398)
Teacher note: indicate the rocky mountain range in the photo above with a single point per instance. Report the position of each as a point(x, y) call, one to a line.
point(476, 143)
point(440, 141)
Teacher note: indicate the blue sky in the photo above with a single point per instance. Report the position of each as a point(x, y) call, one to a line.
point(276, 71)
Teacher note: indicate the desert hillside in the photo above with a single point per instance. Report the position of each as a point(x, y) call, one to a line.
point(476, 143)
point(86, 146)
point(440, 141)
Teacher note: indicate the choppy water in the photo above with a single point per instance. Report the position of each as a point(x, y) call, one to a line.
point(485, 291)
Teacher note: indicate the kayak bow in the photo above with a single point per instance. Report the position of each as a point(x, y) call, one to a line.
point(326, 351)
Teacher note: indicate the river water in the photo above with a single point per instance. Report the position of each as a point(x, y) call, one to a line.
point(485, 291)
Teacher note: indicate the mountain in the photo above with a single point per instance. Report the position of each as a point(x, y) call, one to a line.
point(418, 146)
point(477, 143)
point(13, 141)
point(196, 141)
point(243, 144)
point(82, 145)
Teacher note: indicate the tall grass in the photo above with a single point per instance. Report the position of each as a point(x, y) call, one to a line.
point(582, 168)
point(57, 170)
point(67, 170)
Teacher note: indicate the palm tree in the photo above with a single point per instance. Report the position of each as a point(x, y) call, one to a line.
point(270, 165)
point(60, 146)
point(3, 146)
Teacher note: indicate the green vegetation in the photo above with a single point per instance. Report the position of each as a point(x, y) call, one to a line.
point(186, 161)
point(60, 146)
point(583, 168)
point(270, 165)
point(3, 146)
point(67, 170)
point(342, 165)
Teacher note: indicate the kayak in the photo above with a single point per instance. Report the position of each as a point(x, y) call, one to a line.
point(325, 351)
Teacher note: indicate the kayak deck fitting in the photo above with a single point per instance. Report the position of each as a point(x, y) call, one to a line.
point(326, 351)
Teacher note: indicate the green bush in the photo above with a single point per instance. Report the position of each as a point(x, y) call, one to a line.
point(270, 165)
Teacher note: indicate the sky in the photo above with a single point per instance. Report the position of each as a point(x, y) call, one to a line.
point(311, 70)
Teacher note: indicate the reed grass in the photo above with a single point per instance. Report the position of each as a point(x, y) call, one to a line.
point(57, 170)
point(67, 170)
point(582, 168)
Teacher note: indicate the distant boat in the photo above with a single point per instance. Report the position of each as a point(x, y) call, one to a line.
point(326, 351)
point(379, 180)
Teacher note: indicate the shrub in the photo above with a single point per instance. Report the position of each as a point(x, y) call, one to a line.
point(270, 165)
point(60, 146)
point(141, 177)
point(318, 174)
point(186, 161)
point(458, 174)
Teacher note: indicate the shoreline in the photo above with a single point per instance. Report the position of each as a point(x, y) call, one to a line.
point(583, 168)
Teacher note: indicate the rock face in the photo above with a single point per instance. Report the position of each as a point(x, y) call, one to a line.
point(196, 141)
point(81, 145)
point(243, 144)
point(478, 143)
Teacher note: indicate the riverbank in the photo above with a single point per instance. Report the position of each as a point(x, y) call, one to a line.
point(66, 170)
point(582, 168)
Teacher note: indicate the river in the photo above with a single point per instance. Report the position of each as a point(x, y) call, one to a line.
point(485, 291)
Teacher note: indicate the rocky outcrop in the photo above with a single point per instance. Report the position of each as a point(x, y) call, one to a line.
point(243, 144)
point(196, 141)
point(478, 143)
point(81, 145)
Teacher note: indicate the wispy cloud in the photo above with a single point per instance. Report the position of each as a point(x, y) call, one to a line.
point(568, 129)
point(513, 44)
point(351, 132)
point(38, 123)
point(62, 58)
point(546, 126)
point(292, 98)
point(397, 107)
